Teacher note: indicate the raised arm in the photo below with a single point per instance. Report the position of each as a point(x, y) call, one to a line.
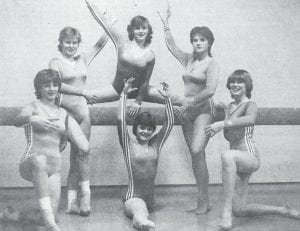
point(181, 56)
point(93, 52)
point(121, 115)
point(121, 121)
point(106, 25)
point(164, 132)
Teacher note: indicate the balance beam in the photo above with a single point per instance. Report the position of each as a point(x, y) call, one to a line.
point(106, 116)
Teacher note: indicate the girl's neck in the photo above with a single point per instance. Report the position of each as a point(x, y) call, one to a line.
point(200, 56)
point(142, 143)
point(240, 100)
point(140, 44)
point(68, 58)
point(48, 103)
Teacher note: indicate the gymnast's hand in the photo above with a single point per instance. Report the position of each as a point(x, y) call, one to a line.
point(179, 111)
point(128, 86)
point(165, 92)
point(90, 98)
point(214, 128)
point(165, 17)
point(134, 107)
point(43, 124)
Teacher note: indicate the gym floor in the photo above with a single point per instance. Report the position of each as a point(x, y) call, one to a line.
point(169, 212)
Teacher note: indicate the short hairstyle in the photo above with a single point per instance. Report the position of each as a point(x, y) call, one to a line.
point(205, 32)
point(245, 77)
point(45, 76)
point(143, 118)
point(137, 22)
point(66, 32)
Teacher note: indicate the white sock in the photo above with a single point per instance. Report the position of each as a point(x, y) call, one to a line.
point(85, 194)
point(46, 211)
point(85, 186)
point(72, 195)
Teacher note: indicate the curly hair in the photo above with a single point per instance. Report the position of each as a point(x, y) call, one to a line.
point(137, 22)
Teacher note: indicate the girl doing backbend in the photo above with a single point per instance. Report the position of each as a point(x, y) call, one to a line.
point(201, 73)
point(141, 154)
point(47, 128)
point(135, 59)
point(242, 159)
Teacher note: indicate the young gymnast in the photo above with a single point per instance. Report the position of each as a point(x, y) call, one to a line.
point(141, 154)
point(135, 58)
point(201, 73)
point(72, 69)
point(242, 159)
point(47, 128)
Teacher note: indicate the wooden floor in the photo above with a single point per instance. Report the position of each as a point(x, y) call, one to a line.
point(169, 213)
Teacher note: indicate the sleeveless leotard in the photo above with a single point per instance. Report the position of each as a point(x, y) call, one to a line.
point(126, 69)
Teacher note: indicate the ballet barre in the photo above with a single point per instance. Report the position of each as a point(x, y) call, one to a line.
point(106, 116)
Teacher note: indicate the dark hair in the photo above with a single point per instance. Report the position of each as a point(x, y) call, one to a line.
point(45, 76)
point(245, 77)
point(205, 32)
point(143, 118)
point(137, 22)
point(66, 32)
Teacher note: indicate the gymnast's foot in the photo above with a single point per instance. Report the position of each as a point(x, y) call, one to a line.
point(203, 207)
point(10, 214)
point(291, 213)
point(143, 224)
point(85, 207)
point(226, 222)
point(72, 207)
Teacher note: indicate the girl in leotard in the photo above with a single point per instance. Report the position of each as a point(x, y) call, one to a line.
point(72, 69)
point(201, 73)
point(135, 59)
point(47, 128)
point(243, 158)
point(141, 154)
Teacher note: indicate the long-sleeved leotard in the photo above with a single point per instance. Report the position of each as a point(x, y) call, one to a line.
point(200, 79)
point(127, 66)
point(239, 126)
point(47, 143)
point(141, 166)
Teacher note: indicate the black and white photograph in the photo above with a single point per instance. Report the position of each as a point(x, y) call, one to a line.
point(150, 115)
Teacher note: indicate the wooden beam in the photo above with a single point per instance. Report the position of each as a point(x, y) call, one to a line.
point(106, 116)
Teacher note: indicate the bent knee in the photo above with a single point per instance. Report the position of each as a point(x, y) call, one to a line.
point(38, 163)
point(85, 150)
point(197, 151)
point(227, 158)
